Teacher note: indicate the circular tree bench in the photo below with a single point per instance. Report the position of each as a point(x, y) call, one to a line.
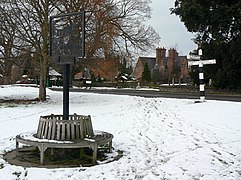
point(76, 132)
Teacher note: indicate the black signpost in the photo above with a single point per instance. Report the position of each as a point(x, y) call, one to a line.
point(197, 61)
point(67, 45)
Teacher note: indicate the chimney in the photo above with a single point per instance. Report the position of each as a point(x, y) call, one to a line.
point(172, 53)
point(171, 60)
point(160, 53)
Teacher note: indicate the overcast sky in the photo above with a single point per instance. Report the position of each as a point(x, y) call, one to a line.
point(171, 30)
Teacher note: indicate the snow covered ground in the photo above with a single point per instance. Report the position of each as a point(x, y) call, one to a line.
point(161, 138)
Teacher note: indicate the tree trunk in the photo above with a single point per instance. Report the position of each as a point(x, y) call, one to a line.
point(44, 62)
point(7, 73)
point(43, 80)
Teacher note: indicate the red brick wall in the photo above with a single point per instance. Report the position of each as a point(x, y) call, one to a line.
point(184, 68)
point(138, 69)
point(160, 54)
point(171, 61)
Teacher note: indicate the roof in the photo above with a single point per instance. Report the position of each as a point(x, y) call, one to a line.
point(180, 59)
point(53, 72)
point(151, 61)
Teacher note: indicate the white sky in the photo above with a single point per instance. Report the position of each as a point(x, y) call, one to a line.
point(171, 30)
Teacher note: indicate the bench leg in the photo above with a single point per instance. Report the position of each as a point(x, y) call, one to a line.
point(81, 153)
point(110, 146)
point(17, 148)
point(41, 157)
point(94, 157)
point(52, 151)
point(42, 149)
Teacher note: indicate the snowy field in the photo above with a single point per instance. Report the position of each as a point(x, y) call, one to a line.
point(161, 138)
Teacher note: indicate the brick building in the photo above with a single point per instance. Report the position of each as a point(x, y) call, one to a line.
point(165, 67)
point(140, 66)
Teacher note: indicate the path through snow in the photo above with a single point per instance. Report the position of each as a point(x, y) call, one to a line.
point(160, 138)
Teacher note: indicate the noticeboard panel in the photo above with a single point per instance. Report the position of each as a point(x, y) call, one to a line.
point(67, 38)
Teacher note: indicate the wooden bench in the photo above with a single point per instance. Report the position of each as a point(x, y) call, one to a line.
point(55, 132)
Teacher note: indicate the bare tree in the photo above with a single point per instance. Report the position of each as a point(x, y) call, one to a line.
point(13, 50)
point(115, 26)
point(8, 40)
point(31, 19)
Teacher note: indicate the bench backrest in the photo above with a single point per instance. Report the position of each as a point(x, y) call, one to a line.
point(53, 127)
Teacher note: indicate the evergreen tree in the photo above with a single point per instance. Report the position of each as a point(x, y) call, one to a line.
point(218, 26)
point(146, 74)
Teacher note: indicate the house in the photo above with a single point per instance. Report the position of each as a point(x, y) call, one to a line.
point(140, 66)
point(100, 68)
point(54, 77)
point(165, 67)
point(53, 74)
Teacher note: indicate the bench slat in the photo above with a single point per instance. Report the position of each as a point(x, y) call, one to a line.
point(58, 132)
point(50, 129)
point(90, 128)
point(54, 129)
point(84, 128)
point(40, 125)
point(68, 132)
point(46, 130)
point(77, 130)
point(43, 129)
point(63, 131)
point(72, 130)
point(81, 130)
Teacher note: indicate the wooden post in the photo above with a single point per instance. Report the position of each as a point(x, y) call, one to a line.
point(198, 61)
point(201, 83)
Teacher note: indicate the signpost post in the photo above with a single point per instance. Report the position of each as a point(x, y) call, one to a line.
point(198, 61)
point(67, 45)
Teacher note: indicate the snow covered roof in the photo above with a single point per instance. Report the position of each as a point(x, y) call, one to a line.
point(53, 72)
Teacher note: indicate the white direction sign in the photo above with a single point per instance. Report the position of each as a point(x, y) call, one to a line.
point(210, 61)
point(195, 63)
point(193, 57)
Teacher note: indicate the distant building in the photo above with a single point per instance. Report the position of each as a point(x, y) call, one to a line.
point(140, 66)
point(164, 67)
point(106, 69)
point(53, 74)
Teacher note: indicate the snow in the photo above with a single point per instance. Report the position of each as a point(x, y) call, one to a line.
point(161, 138)
point(53, 72)
point(30, 137)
